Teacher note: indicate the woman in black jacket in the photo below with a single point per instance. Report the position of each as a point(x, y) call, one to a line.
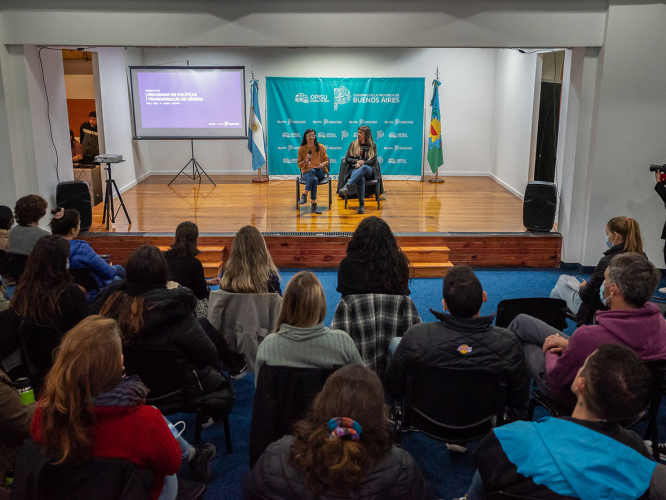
point(623, 234)
point(360, 164)
point(342, 449)
point(150, 315)
point(374, 262)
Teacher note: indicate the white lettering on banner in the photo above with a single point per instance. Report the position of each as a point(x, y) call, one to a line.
point(407, 148)
point(377, 98)
point(381, 159)
point(286, 160)
point(286, 134)
point(392, 135)
point(281, 121)
point(344, 134)
point(332, 122)
point(402, 135)
point(295, 160)
point(399, 121)
point(353, 122)
point(291, 147)
point(341, 95)
point(400, 160)
point(301, 97)
point(329, 135)
point(288, 121)
point(299, 121)
point(319, 98)
point(295, 134)
point(380, 133)
point(333, 160)
point(315, 122)
point(325, 121)
point(388, 147)
point(355, 135)
point(391, 160)
point(283, 147)
point(334, 148)
point(360, 122)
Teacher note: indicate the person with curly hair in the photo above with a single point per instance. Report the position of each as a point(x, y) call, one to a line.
point(28, 211)
point(374, 262)
point(342, 449)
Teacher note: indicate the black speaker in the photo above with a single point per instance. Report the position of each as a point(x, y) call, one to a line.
point(76, 195)
point(539, 206)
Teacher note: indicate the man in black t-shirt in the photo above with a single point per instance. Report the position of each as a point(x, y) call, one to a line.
point(88, 138)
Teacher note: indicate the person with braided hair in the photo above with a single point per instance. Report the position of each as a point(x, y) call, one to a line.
point(342, 448)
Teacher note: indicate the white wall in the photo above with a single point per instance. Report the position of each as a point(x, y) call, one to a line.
point(337, 23)
point(513, 119)
point(466, 97)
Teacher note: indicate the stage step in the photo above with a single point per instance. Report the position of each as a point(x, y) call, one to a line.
point(427, 254)
point(429, 269)
point(209, 255)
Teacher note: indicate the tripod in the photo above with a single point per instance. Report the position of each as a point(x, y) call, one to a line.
point(197, 169)
point(109, 214)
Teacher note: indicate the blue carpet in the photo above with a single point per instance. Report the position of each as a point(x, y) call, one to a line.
point(448, 475)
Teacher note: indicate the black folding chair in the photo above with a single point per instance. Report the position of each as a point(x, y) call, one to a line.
point(325, 180)
point(37, 345)
point(454, 406)
point(164, 371)
point(657, 369)
point(550, 311)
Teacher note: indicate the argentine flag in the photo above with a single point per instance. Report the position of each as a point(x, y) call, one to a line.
point(255, 132)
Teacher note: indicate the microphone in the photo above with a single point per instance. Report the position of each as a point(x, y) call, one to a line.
point(310, 153)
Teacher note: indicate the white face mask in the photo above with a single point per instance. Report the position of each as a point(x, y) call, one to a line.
point(604, 300)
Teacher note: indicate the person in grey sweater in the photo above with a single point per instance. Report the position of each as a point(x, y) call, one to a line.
point(28, 211)
point(302, 340)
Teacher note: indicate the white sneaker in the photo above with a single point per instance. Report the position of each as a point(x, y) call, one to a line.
point(456, 448)
point(662, 290)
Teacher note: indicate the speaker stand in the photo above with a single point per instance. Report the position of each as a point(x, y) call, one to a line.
point(197, 169)
point(109, 213)
point(436, 180)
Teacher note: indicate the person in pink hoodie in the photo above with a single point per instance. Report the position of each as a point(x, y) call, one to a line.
point(553, 359)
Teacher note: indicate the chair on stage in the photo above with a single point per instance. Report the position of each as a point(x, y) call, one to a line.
point(325, 180)
point(377, 184)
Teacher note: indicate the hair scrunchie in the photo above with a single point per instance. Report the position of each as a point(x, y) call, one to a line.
point(345, 426)
point(59, 214)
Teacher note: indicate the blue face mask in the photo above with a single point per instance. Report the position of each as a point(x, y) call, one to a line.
point(608, 243)
point(601, 290)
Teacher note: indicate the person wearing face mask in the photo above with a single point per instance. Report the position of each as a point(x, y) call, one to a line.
point(553, 358)
point(623, 234)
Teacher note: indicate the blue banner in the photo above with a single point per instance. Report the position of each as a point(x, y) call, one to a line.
point(335, 108)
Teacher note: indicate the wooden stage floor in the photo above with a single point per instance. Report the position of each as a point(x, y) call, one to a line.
point(461, 204)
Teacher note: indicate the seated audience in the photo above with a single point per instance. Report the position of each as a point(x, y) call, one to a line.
point(249, 268)
point(77, 149)
point(45, 295)
point(374, 262)
point(6, 223)
point(15, 418)
point(342, 449)
point(587, 455)
point(28, 211)
point(622, 235)
point(553, 359)
point(184, 267)
point(301, 339)
point(89, 409)
point(67, 223)
point(150, 315)
point(439, 344)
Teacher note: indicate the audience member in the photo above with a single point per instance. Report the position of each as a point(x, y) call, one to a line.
point(301, 339)
point(67, 223)
point(28, 211)
point(342, 449)
point(45, 295)
point(587, 455)
point(6, 223)
point(374, 262)
point(89, 139)
point(553, 359)
point(184, 267)
point(150, 315)
point(249, 268)
point(622, 235)
point(89, 409)
point(77, 149)
point(15, 418)
point(462, 340)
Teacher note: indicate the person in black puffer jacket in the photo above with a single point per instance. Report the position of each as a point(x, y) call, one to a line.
point(463, 339)
point(150, 315)
point(342, 449)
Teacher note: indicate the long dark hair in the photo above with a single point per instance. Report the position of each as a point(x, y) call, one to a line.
point(146, 270)
point(37, 296)
point(69, 220)
point(305, 139)
point(340, 463)
point(186, 240)
point(375, 246)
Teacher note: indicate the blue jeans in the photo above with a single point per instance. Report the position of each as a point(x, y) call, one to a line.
point(311, 178)
point(358, 176)
point(476, 490)
point(170, 489)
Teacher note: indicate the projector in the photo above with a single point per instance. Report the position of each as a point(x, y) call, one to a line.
point(108, 158)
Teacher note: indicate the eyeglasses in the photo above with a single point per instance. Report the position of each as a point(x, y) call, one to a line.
point(311, 135)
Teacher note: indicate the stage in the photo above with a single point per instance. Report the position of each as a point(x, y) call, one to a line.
point(472, 220)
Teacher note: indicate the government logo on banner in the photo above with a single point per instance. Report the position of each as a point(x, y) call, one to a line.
point(344, 104)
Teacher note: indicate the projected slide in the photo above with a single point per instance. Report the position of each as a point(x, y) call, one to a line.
point(188, 102)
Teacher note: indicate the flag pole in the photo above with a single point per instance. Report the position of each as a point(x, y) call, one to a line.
point(436, 180)
point(259, 179)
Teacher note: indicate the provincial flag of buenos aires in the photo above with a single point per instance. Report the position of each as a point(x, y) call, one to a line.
point(255, 132)
point(435, 158)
